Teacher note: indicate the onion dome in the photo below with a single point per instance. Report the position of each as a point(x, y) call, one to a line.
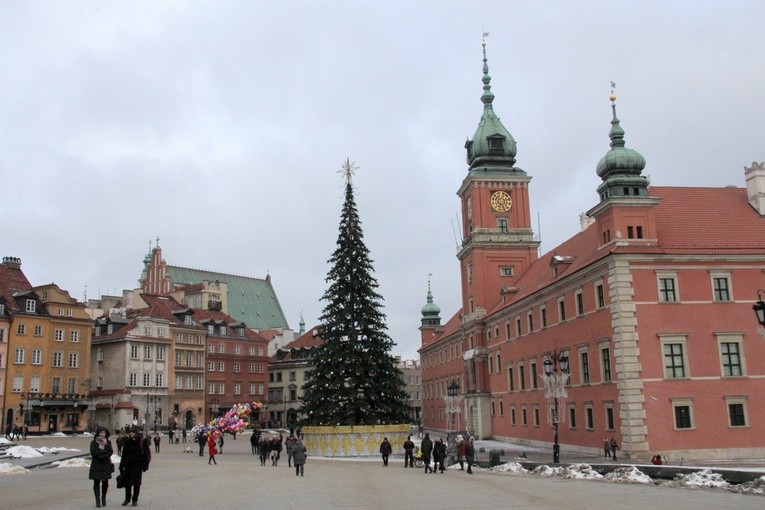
point(492, 148)
point(620, 169)
point(431, 311)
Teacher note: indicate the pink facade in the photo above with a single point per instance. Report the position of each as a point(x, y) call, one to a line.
point(651, 303)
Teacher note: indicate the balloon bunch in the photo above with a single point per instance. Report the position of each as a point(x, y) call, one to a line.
point(233, 421)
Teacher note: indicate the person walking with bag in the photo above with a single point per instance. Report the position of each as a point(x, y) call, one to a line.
point(614, 447)
point(136, 456)
point(101, 467)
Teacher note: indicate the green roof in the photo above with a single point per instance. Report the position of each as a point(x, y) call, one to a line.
point(250, 300)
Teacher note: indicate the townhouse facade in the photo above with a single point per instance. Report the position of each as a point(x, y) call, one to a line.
point(48, 338)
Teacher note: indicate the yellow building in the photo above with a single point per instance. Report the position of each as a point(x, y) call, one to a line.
point(47, 375)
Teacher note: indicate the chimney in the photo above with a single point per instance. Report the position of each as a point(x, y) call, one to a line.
point(585, 221)
point(12, 262)
point(755, 186)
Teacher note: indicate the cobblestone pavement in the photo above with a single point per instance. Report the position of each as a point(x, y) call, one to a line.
point(184, 480)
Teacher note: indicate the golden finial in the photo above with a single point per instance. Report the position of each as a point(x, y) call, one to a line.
point(612, 97)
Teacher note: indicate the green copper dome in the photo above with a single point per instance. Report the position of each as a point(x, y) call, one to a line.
point(431, 311)
point(620, 169)
point(492, 147)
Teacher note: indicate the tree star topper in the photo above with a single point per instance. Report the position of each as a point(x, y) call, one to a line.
point(348, 169)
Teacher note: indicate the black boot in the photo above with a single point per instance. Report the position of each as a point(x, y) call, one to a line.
point(103, 496)
point(98, 497)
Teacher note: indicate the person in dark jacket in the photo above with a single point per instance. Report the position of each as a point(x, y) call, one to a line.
point(263, 448)
point(202, 440)
point(470, 454)
point(276, 450)
point(254, 443)
point(427, 448)
point(385, 450)
point(136, 456)
point(409, 452)
point(439, 455)
point(101, 467)
point(289, 443)
point(298, 456)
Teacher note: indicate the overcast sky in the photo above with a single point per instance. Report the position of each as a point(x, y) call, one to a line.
point(221, 126)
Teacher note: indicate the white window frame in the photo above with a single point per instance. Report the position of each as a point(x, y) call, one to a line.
point(683, 402)
point(721, 275)
point(682, 341)
point(676, 289)
point(733, 400)
point(731, 338)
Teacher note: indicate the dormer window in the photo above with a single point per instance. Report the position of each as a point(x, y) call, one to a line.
point(210, 329)
point(223, 329)
point(187, 320)
point(496, 144)
point(31, 306)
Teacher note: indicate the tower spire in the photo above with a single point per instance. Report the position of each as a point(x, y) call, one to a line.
point(488, 97)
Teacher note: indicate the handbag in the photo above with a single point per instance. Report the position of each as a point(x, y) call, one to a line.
point(120, 481)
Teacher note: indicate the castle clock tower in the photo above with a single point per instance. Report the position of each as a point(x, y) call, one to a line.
point(498, 242)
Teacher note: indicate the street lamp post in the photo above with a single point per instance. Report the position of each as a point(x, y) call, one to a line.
point(556, 377)
point(452, 400)
point(759, 308)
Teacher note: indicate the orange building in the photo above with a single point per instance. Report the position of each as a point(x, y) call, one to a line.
point(47, 381)
point(649, 308)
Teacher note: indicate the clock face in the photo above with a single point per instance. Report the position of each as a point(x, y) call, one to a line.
point(501, 201)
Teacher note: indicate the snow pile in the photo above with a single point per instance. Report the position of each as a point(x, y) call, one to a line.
point(23, 451)
point(572, 471)
point(703, 478)
point(4, 441)
point(753, 487)
point(55, 449)
point(78, 462)
point(513, 468)
point(629, 474)
point(6, 468)
point(58, 434)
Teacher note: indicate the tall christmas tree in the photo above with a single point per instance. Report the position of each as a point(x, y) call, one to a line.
point(355, 380)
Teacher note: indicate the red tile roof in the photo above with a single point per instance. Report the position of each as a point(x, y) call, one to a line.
point(12, 280)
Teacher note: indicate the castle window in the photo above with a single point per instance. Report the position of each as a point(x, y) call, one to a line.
point(721, 287)
point(667, 289)
point(31, 305)
point(506, 271)
point(502, 225)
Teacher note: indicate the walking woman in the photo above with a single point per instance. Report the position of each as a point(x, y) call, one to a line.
point(211, 448)
point(101, 467)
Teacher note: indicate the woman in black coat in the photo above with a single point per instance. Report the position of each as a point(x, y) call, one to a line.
point(101, 467)
point(136, 456)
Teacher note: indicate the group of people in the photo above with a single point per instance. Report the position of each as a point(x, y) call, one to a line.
point(293, 444)
point(135, 458)
point(435, 448)
point(16, 432)
point(610, 448)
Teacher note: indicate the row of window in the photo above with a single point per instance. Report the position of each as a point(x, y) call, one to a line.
point(277, 376)
point(221, 348)
point(148, 351)
point(58, 334)
point(19, 358)
point(669, 291)
point(682, 411)
point(222, 330)
point(254, 368)
point(254, 388)
point(159, 379)
point(35, 381)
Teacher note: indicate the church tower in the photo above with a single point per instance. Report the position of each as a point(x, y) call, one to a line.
point(498, 242)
